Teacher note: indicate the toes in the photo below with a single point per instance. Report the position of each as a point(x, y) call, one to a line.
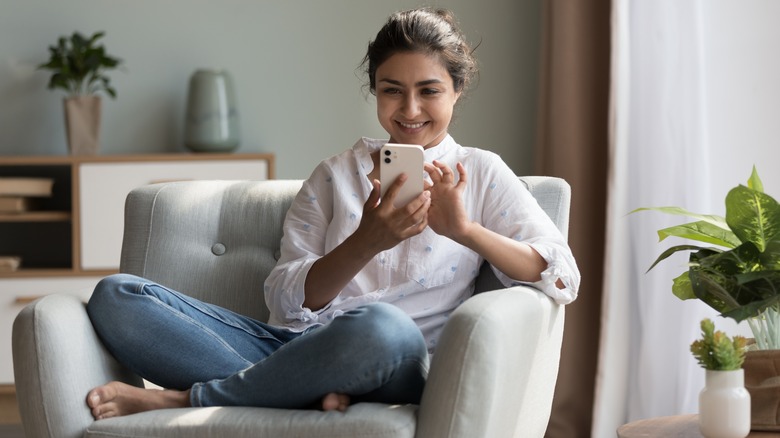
point(93, 399)
point(101, 401)
point(343, 403)
point(335, 402)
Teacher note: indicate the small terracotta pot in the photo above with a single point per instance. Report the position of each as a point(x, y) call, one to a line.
point(82, 124)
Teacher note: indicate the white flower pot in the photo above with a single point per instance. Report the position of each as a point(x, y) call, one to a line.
point(724, 405)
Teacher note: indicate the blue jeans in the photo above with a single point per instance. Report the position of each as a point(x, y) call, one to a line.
point(373, 353)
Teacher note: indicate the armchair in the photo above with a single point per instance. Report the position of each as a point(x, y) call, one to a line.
point(218, 240)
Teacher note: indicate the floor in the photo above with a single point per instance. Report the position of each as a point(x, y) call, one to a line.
point(11, 431)
point(10, 423)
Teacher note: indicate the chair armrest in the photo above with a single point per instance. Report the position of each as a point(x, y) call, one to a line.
point(57, 352)
point(495, 367)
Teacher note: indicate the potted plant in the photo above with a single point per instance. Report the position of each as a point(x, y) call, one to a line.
point(740, 278)
point(724, 403)
point(79, 67)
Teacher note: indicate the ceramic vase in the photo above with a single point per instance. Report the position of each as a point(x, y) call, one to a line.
point(82, 124)
point(724, 405)
point(211, 123)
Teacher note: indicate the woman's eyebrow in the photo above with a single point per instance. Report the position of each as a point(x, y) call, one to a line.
point(418, 84)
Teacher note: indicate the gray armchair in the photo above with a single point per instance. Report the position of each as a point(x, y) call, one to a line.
point(482, 383)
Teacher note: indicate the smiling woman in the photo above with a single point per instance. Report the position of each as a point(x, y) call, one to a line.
point(418, 75)
point(415, 99)
point(351, 266)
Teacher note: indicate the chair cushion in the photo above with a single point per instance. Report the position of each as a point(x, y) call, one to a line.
point(361, 420)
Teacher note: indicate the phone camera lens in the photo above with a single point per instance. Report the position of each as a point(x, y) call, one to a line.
point(387, 153)
point(388, 160)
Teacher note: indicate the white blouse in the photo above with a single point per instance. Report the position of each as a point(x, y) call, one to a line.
point(428, 275)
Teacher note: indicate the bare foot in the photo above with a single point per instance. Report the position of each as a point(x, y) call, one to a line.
point(335, 402)
point(115, 399)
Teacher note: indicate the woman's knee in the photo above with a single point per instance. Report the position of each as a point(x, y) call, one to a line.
point(388, 327)
point(108, 291)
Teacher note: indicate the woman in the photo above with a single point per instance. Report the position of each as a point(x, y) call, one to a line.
point(362, 289)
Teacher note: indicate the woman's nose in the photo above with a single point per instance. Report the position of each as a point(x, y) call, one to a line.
point(411, 107)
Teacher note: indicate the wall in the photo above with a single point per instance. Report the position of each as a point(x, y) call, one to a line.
point(743, 92)
point(294, 64)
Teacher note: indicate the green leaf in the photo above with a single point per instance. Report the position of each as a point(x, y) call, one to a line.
point(703, 232)
point(711, 292)
point(681, 287)
point(753, 216)
point(717, 279)
point(79, 62)
point(744, 258)
point(770, 258)
point(95, 37)
point(769, 278)
point(664, 255)
point(718, 221)
point(754, 182)
point(751, 310)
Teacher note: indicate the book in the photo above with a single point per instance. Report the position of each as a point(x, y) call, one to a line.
point(10, 263)
point(15, 204)
point(13, 186)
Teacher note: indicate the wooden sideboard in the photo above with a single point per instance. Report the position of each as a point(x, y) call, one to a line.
point(74, 238)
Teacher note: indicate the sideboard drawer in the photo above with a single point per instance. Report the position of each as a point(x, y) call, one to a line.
point(15, 293)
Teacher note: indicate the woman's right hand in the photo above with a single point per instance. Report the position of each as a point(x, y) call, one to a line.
point(384, 226)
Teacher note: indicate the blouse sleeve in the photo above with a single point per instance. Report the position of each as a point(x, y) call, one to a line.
point(510, 209)
point(303, 242)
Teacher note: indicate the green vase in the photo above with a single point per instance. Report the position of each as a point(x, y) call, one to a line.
point(211, 123)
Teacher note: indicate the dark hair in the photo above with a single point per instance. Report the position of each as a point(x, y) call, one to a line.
point(431, 31)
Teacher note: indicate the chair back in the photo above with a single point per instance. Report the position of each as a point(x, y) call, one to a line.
point(218, 240)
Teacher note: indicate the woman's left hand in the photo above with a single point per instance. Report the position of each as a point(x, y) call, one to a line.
point(447, 213)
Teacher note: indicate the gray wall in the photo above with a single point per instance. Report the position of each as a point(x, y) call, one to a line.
point(294, 64)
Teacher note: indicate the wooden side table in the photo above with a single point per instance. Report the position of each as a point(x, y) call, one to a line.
point(678, 426)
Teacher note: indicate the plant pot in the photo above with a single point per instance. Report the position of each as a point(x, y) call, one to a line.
point(724, 405)
point(82, 124)
point(763, 383)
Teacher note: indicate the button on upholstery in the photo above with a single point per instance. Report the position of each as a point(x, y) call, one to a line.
point(218, 249)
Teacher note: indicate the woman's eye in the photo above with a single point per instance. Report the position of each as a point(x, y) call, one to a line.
point(430, 91)
point(391, 91)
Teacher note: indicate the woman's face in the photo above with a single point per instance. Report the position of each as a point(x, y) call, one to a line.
point(415, 97)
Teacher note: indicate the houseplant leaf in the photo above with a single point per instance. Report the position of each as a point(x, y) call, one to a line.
point(80, 65)
point(715, 280)
point(754, 182)
point(718, 221)
point(770, 258)
point(753, 216)
point(712, 292)
point(701, 231)
point(672, 250)
point(681, 287)
point(751, 310)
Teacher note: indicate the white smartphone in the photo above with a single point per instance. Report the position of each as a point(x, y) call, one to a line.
point(395, 159)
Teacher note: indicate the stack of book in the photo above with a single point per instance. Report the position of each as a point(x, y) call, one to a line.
point(18, 195)
point(9, 263)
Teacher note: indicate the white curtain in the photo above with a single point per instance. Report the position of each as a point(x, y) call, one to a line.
point(659, 157)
